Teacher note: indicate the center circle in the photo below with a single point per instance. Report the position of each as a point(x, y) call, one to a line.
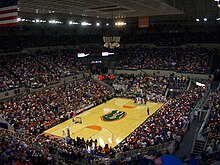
point(114, 115)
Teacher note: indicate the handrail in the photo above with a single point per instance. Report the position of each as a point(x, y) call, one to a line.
point(198, 131)
point(160, 147)
point(204, 122)
point(218, 86)
point(204, 102)
point(166, 92)
point(194, 139)
point(141, 70)
point(200, 104)
point(206, 142)
point(190, 81)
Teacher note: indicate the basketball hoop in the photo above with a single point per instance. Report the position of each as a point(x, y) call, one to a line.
point(77, 120)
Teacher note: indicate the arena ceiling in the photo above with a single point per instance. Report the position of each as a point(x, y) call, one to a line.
point(120, 8)
point(100, 8)
point(196, 8)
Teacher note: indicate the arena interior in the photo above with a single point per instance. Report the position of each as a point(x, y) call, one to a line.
point(118, 82)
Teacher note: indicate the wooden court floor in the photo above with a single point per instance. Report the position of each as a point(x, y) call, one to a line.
point(113, 130)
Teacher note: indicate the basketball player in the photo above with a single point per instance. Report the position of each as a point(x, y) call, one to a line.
point(64, 133)
point(68, 132)
point(143, 100)
point(74, 117)
point(148, 111)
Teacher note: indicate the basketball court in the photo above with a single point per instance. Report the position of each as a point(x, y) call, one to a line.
point(109, 122)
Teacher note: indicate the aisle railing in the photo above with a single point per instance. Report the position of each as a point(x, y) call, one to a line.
point(163, 148)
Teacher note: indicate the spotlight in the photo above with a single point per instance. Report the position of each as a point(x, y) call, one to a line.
point(120, 23)
point(37, 20)
point(197, 19)
point(73, 23)
point(107, 24)
point(52, 21)
point(205, 19)
point(85, 24)
point(18, 19)
point(97, 24)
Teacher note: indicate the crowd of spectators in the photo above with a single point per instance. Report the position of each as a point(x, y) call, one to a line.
point(27, 151)
point(29, 70)
point(35, 112)
point(212, 127)
point(60, 64)
point(8, 81)
point(121, 83)
point(44, 68)
point(153, 87)
point(188, 60)
point(133, 58)
point(18, 149)
point(167, 124)
point(42, 149)
point(194, 60)
point(38, 69)
point(178, 82)
point(151, 157)
point(162, 58)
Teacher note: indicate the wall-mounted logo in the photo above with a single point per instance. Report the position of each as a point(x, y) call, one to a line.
point(113, 116)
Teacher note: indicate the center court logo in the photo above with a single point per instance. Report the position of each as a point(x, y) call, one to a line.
point(113, 116)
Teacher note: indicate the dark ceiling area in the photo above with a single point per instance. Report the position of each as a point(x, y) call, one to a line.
point(196, 8)
point(99, 8)
point(121, 8)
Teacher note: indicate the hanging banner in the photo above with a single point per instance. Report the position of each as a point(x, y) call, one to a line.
point(143, 22)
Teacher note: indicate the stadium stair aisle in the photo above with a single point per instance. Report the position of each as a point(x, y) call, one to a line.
point(187, 141)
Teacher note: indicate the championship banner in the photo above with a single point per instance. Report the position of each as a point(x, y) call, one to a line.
point(143, 22)
point(8, 13)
